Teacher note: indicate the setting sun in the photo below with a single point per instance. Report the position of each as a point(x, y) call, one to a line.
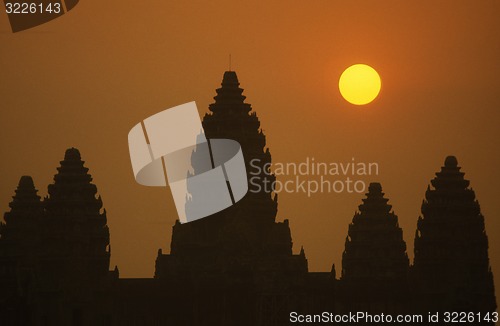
point(359, 84)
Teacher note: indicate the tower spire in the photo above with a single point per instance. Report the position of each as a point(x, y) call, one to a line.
point(20, 229)
point(451, 246)
point(239, 237)
point(74, 209)
point(366, 257)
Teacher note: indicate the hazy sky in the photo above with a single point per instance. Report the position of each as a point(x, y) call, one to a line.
point(86, 78)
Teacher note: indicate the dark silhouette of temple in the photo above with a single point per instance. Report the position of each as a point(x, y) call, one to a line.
point(245, 236)
point(237, 267)
point(451, 271)
point(374, 263)
point(241, 252)
point(54, 255)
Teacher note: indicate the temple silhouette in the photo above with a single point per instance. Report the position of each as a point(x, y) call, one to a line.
point(237, 267)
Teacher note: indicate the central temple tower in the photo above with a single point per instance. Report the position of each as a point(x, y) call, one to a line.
point(245, 236)
point(235, 267)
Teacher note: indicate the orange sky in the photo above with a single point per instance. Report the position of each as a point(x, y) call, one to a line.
point(85, 79)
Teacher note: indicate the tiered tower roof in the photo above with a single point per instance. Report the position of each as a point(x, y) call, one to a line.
point(374, 250)
point(451, 246)
point(20, 231)
point(75, 229)
point(246, 232)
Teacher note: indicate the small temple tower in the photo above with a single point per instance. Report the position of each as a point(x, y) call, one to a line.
point(374, 263)
point(19, 237)
point(451, 270)
point(75, 229)
point(73, 265)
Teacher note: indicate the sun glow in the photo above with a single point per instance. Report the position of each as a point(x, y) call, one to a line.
point(359, 84)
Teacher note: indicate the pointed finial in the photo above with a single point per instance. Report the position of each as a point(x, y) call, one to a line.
point(451, 162)
point(26, 182)
point(72, 154)
point(375, 187)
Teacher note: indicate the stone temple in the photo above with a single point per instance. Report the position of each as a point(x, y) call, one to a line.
point(374, 263)
point(451, 271)
point(237, 267)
